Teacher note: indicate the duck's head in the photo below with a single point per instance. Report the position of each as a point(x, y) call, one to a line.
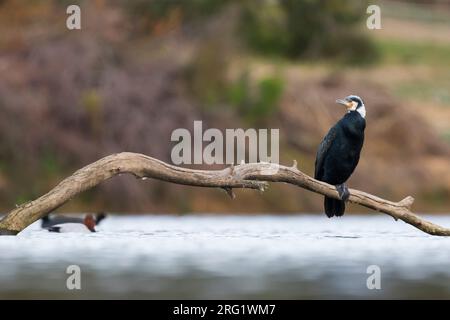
point(353, 103)
point(89, 222)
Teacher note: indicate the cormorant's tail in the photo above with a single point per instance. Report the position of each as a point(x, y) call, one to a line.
point(334, 207)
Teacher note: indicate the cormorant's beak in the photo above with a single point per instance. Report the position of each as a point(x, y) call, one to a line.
point(345, 103)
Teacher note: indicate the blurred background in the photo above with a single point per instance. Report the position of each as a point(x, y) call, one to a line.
point(140, 69)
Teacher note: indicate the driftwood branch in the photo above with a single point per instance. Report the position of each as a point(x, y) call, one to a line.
point(252, 175)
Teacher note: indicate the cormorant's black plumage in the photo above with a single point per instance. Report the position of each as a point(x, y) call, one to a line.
point(338, 153)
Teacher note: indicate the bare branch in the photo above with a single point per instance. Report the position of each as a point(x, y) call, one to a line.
point(138, 165)
point(398, 210)
point(252, 175)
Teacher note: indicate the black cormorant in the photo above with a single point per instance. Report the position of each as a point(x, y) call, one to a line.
point(339, 151)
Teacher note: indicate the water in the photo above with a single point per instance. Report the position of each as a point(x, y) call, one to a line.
point(281, 257)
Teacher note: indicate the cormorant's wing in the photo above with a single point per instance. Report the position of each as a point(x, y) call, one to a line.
point(322, 151)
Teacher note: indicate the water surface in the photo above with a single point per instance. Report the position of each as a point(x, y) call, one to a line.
point(304, 256)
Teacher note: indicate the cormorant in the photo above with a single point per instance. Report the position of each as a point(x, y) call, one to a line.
point(338, 153)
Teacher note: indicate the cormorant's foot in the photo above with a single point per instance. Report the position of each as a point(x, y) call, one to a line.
point(342, 189)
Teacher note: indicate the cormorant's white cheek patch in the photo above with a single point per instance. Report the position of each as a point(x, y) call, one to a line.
point(362, 111)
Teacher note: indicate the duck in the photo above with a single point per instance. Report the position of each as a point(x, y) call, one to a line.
point(50, 221)
point(87, 225)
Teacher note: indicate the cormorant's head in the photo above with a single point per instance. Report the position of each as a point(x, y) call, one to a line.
point(354, 103)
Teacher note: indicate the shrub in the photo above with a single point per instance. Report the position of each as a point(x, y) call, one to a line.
point(256, 103)
point(308, 29)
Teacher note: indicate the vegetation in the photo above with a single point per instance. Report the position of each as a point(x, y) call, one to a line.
point(308, 29)
point(140, 69)
point(407, 52)
point(255, 105)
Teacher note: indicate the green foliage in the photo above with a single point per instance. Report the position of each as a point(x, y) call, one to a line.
point(270, 91)
point(308, 29)
point(238, 92)
point(405, 52)
point(253, 100)
point(50, 165)
point(264, 27)
point(255, 103)
point(286, 28)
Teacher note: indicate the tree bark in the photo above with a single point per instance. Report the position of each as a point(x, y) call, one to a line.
point(252, 175)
